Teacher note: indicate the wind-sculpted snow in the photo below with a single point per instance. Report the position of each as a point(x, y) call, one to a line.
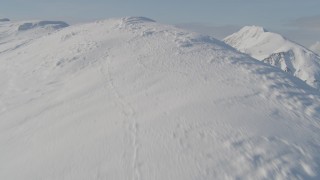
point(44, 24)
point(136, 20)
point(4, 19)
point(119, 99)
point(276, 50)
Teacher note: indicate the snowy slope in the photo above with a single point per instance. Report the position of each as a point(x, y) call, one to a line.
point(316, 47)
point(278, 51)
point(14, 34)
point(132, 99)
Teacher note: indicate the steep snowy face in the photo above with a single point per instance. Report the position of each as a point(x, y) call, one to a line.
point(133, 99)
point(281, 60)
point(278, 51)
point(316, 47)
point(16, 34)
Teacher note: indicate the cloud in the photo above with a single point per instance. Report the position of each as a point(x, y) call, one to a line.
point(310, 22)
point(218, 32)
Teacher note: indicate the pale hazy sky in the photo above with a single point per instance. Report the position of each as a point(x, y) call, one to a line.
point(296, 19)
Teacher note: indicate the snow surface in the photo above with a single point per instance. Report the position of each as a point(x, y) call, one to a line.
point(278, 51)
point(316, 47)
point(132, 99)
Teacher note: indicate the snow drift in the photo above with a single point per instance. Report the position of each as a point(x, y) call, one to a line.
point(278, 51)
point(133, 99)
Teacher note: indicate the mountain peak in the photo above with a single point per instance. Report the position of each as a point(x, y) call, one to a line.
point(253, 29)
point(278, 51)
point(250, 36)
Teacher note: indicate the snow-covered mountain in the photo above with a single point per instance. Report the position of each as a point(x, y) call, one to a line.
point(316, 47)
point(133, 99)
point(278, 51)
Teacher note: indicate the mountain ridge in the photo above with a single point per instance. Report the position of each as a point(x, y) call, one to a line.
point(316, 47)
